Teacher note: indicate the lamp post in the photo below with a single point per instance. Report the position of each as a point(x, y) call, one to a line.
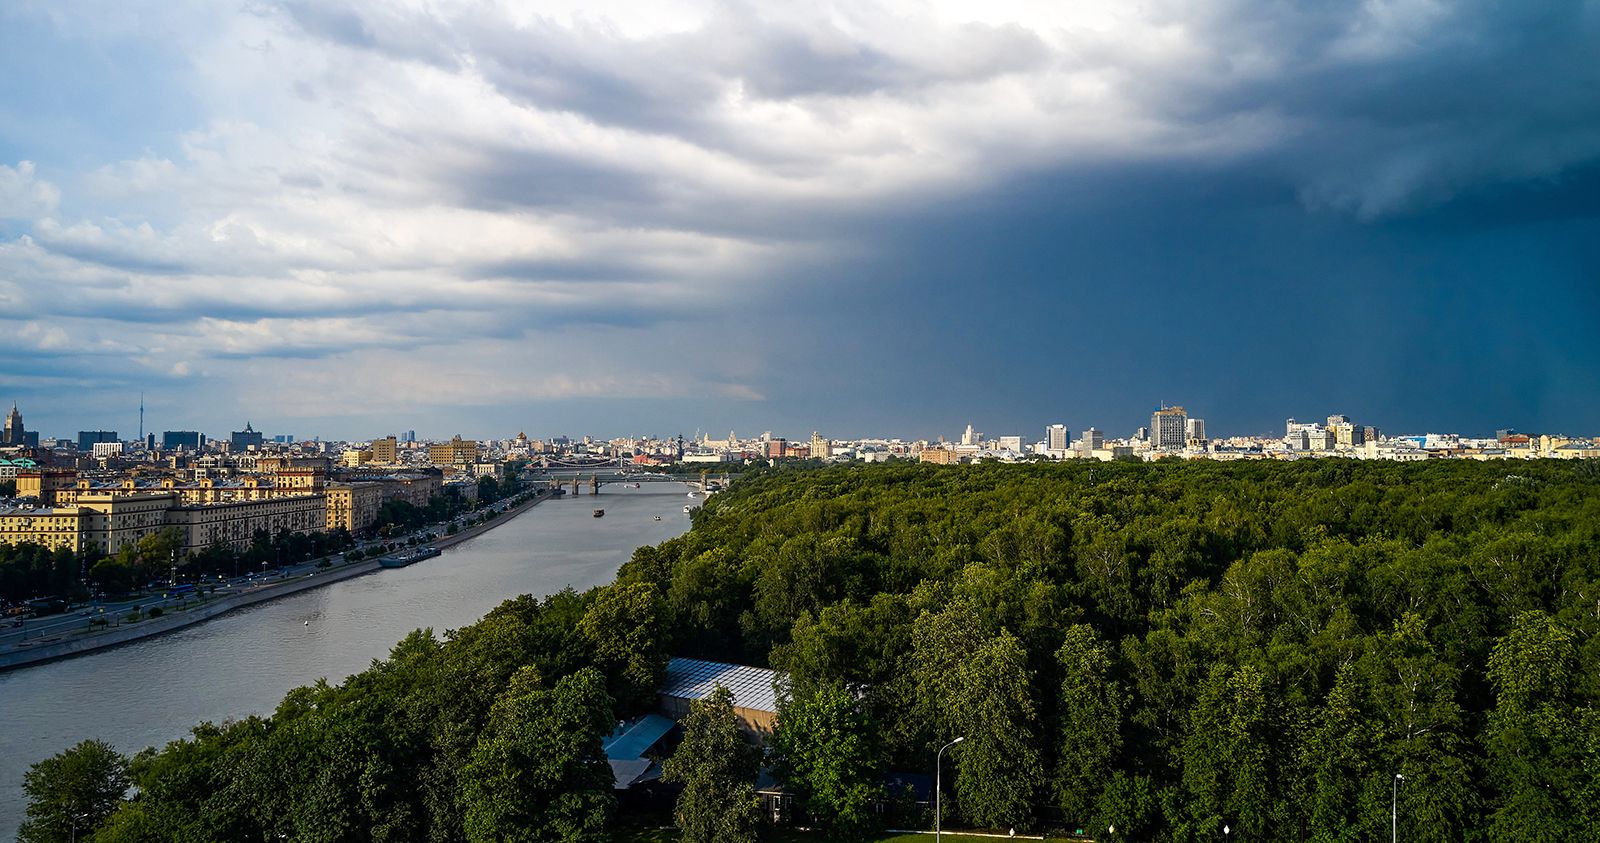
point(938, 794)
point(1394, 808)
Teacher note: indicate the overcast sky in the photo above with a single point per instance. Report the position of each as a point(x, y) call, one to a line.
point(353, 218)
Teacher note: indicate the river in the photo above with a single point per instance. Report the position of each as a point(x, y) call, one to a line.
point(153, 691)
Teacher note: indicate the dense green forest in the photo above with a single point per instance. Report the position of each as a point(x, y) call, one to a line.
point(1164, 648)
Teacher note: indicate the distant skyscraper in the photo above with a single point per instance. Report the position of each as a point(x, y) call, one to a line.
point(1168, 426)
point(1195, 429)
point(244, 440)
point(1056, 437)
point(171, 440)
point(970, 437)
point(820, 448)
point(15, 433)
point(409, 436)
point(87, 439)
point(1094, 440)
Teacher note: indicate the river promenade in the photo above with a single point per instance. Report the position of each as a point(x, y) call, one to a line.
point(60, 645)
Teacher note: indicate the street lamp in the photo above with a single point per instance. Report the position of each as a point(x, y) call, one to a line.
point(1394, 808)
point(938, 795)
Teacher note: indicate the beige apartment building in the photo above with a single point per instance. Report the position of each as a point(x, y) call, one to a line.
point(354, 506)
point(386, 451)
point(457, 451)
point(108, 522)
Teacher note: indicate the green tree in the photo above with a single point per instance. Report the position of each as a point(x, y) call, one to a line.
point(998, 767)
point(72, 792)
point(1090, 715)
point(1413, 693)
point(624, 627)
point(538, 772)
point(1228, 760)
point(717, 768)
point(1535, 735)
point(824, 747)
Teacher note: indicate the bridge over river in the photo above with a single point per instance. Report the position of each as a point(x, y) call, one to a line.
point(598, 475)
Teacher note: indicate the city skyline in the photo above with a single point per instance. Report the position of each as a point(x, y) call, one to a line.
point(1191, 425)
point(866, 217)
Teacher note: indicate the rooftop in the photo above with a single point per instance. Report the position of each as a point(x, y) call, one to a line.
point(694, 679)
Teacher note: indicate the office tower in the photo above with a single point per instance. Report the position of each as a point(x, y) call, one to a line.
point(1195, 430)
point(1094, 440)
point(1056, 438)
point(1167, 427)
point(87, 439)
point(173, 439)
point(408, 437)
point(244, 440)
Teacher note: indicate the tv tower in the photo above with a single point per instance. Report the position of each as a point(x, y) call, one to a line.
point(141, 418)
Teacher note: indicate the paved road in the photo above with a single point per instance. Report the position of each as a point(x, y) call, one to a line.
point(80, 617)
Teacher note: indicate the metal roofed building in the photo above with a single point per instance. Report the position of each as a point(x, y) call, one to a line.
point(755, 697)
point(625, 749)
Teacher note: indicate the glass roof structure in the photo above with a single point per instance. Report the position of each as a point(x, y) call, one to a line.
point(694, 679)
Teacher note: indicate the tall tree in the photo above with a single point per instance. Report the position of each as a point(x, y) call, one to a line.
point(824, 748)
point(624, 627)
point(998, 769)
point(72, 792)
point(538, 772)
point(717, 768)
point(1090, 715)
point(1535, 737)
point(1229, 756)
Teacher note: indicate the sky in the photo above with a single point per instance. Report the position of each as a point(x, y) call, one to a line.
point(349, 218)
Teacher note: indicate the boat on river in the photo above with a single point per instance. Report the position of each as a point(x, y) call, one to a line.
point(599, 513)
point(408, 557)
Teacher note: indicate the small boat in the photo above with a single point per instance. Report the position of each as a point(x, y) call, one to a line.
point(658, 518)
point(694, 494)
point(599, 513)
point(689, 509)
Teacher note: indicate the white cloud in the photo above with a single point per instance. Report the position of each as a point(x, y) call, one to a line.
point(23, 195)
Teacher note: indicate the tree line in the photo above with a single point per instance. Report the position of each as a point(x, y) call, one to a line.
point(1162, 648)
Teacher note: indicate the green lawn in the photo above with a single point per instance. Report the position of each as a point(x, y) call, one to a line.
point(666, 835)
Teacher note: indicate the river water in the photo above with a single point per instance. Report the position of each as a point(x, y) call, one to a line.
point(153, 691)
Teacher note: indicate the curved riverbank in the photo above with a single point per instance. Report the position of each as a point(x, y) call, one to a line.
point(79, 643)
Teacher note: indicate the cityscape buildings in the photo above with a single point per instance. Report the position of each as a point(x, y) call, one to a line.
point(96, 491)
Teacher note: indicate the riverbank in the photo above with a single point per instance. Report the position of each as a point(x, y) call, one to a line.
point(79, 643)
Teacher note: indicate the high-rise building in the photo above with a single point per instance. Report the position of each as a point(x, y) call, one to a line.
point(408, 437)
point(820, 448)
point(1056, 438)
point(1195, 430)
point(15, 433)
point(1094, 440)
point(1168, 426)
point(969, 437)
point(173, 439)
point(385, 450)
point(87, 439)
point(244, 440)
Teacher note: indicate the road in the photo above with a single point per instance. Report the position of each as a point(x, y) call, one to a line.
point(83, 616)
